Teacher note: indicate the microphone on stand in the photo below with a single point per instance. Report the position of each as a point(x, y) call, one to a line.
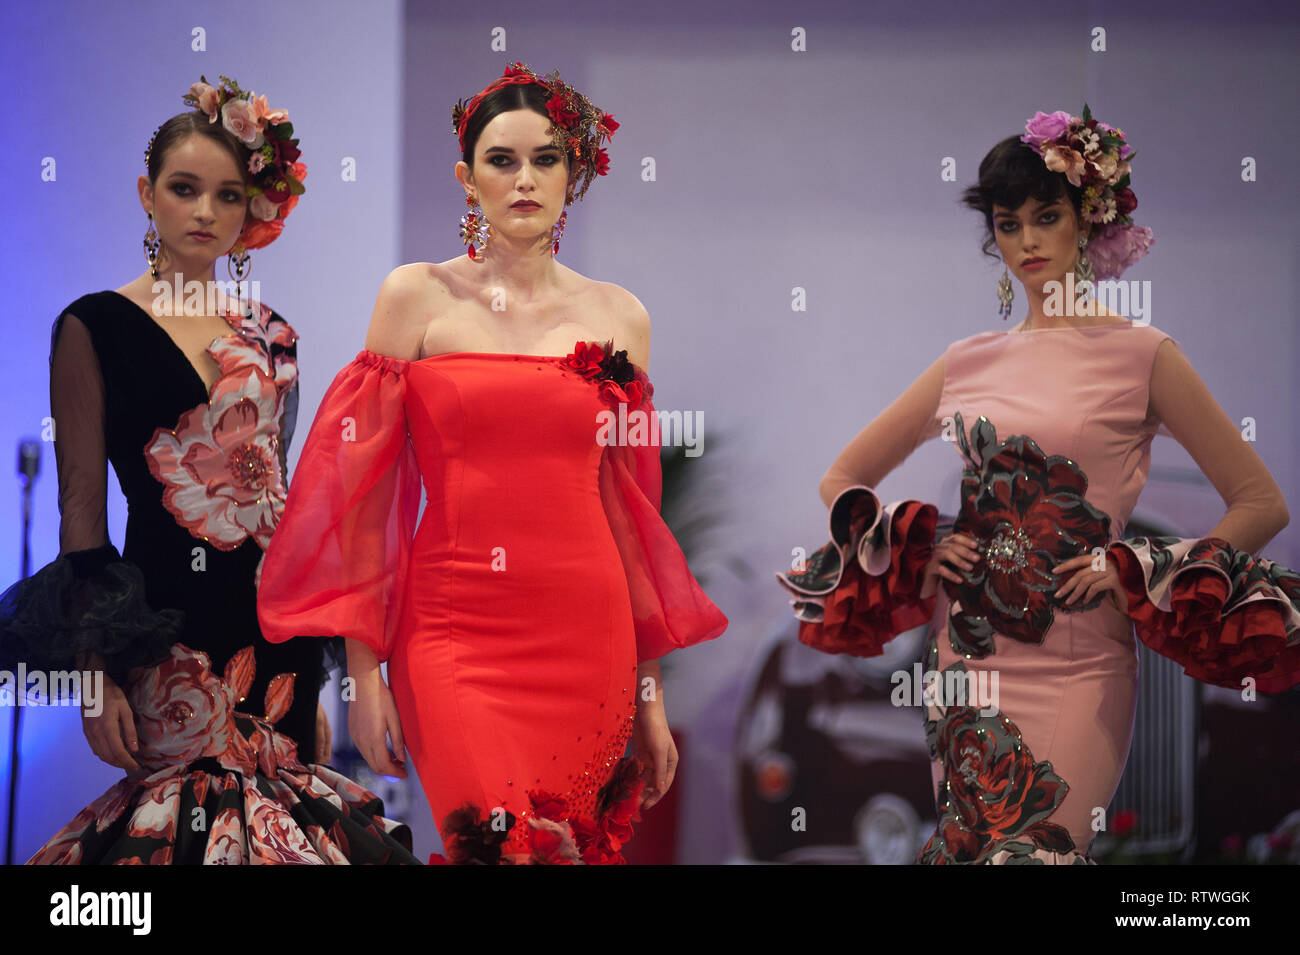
point(29, 466)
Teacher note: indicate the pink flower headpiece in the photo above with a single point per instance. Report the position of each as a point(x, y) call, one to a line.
point(1095, 158)
point(275, 175)
point(579, 126)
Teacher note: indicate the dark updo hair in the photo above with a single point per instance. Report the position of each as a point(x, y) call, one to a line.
point(503, 100)
point(1011, 173)
point(182, 125)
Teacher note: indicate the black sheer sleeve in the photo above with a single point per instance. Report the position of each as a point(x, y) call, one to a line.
point(89, 601)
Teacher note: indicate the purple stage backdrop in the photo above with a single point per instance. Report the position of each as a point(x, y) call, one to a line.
point(768, 153)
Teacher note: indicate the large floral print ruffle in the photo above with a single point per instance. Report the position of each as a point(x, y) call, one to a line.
point(1225, 615)
point(862, 589)
point(221, 787)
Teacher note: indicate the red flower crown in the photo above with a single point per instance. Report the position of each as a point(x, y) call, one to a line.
point(579, 126)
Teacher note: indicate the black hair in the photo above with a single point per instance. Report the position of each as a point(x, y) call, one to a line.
point(504, 100)
point(1011, 173)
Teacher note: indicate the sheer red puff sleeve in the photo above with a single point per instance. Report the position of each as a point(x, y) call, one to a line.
point(669, 608)
point(337, 561)
point(1223, 614)
point(862, 589)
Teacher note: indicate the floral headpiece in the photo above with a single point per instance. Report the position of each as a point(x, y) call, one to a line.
point(275, 175)
point(579, 126)
point(1095, 158)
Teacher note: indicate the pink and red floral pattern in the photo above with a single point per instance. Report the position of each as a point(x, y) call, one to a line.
point(220, 465)
point(197, 752)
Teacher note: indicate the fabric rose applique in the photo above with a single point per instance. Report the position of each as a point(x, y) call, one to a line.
point(220, 465)
point(620, 381)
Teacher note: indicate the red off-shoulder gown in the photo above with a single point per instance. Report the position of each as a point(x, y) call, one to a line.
point(514, 611)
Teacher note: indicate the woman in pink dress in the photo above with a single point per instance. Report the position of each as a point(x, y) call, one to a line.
point(1035, 587)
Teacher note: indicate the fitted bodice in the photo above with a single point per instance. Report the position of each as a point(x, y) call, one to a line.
point(1081, 393)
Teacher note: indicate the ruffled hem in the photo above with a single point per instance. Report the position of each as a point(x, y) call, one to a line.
point(1039, 857)
point(554, 834)
point(312, 817)
point(88, 601)
point(1223, 614)
point(862, 589)
point(217, 786)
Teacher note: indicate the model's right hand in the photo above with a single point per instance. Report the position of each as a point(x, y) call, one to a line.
point(956, 550)
point(372, 722)
point(111, 734)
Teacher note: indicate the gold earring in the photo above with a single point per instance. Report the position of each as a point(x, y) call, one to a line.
point(151, 246)
point(239, 263)
point(474, 229)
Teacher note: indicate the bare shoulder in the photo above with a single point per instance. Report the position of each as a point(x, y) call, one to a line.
point(630, 320)
point(408, 299)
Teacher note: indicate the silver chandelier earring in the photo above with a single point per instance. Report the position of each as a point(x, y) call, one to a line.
point(1083, 270)
point(1006, 295)
point(151, 246)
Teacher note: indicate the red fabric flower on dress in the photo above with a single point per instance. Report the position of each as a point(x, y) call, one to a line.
point(621, 382)
point(220, 466)
point(469, 839)
point(585, 359)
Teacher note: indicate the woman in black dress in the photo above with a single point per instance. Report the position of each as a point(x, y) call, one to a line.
point(191, 392)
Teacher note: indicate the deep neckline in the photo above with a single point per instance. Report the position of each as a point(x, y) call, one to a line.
point(197, 377)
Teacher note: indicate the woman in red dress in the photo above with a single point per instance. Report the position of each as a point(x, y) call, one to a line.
point(523, 619)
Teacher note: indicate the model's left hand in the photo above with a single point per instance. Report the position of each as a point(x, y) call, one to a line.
point(653, 744)
point(1086, 583)
point(324, 742)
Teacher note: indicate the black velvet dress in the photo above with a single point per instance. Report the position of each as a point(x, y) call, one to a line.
point(226, 719)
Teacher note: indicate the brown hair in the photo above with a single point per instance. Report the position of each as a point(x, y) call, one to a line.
point(186, 124)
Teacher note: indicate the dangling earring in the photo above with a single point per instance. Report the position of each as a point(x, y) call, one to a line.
point(151, 246)
point(1083, 270)
point(557, 231)
point(1005, 294)
point(239, 263)
point(474, 228)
